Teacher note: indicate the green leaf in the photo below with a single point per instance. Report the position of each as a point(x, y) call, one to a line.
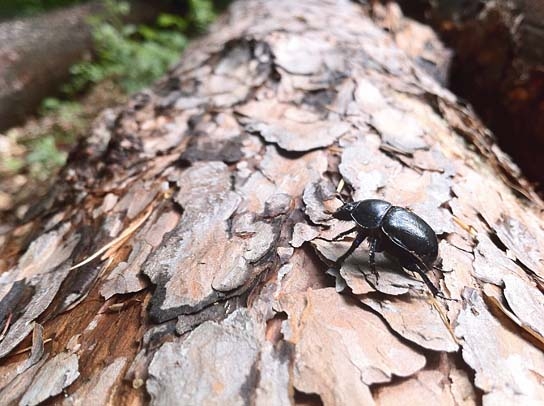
point(136, 56)
point(172, 21)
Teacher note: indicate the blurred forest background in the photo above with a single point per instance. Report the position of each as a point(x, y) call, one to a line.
point(124, 58)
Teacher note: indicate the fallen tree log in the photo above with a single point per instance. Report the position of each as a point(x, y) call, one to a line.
point(181, 258)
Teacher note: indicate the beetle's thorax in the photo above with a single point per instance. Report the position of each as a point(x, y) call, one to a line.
point(369, 214)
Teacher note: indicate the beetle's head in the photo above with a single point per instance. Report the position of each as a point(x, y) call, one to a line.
point(344, 211)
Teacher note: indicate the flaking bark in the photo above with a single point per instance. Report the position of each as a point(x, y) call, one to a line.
point(182, 255)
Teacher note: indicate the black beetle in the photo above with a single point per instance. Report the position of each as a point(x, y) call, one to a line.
point(392, 229)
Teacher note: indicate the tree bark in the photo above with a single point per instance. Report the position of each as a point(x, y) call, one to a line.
point(182, 257)
point(36, 54)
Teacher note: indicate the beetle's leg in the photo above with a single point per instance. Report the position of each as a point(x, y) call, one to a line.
point(434, 290)
point(379, 245)
point(339, 236)
point(371, 259)
point(358, 240)
point(344, 233)
point(419, 269)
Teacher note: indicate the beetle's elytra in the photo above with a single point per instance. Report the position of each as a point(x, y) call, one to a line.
point(394, 230)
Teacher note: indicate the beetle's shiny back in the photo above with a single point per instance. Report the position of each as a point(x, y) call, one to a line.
point(411, 232)
point(369, 213)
